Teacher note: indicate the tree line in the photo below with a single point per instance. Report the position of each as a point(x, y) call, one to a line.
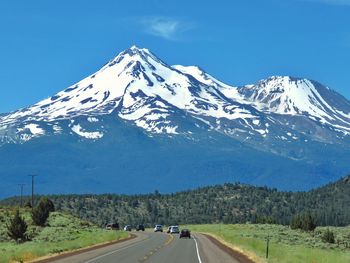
point(228, 203)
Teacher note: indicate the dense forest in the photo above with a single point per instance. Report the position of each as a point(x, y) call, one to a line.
point(228, 203)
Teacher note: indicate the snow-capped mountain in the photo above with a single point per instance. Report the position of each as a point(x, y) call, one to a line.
point(286, 117)
point(293, 96)
point(141, 88)
point(144, 89)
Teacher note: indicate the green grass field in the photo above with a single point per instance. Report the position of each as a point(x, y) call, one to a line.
point(286, 245)
point(63, 233)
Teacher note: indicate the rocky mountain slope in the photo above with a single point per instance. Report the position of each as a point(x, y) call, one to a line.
point(138, 120)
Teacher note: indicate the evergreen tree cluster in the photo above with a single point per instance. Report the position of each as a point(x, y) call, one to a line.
point(17, 227)
point(228, 203)
point(305, 222)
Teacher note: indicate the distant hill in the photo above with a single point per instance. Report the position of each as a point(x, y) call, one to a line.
point(228, 203)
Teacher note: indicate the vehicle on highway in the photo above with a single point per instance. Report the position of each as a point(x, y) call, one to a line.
point(112, 226)
point(127, 228)
point(185, 233)
point(140, 227)
point(158, 228)
point(174, 230)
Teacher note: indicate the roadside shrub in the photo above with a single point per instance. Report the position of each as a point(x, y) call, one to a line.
point(328, 236)
point(17, 228)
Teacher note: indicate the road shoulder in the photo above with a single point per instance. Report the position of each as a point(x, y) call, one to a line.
point(234, 252)
point(58, 256)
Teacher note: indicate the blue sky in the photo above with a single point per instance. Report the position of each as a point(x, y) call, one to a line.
point(48, 45)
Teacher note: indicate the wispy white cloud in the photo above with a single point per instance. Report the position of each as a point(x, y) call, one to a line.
point(331, 2)
point(165, 27)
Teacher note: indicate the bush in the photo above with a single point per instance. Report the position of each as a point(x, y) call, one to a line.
point(17, 228)
point(328, 237)
point(41, 213)
point(305, 222)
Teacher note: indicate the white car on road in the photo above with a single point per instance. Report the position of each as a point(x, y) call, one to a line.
point(158, 228)
point(174, 230)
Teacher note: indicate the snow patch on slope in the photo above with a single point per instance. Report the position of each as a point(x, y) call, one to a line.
point(88, 135)
point(34, 129)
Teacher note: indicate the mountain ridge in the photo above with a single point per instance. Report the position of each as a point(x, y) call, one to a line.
point(254, 96)
point(137, 96)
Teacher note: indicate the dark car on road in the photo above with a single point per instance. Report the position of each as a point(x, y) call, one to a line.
point(185, 233)
point(112, 226)
point(140, 228)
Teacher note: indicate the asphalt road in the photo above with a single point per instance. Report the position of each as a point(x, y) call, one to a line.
point(155, 248)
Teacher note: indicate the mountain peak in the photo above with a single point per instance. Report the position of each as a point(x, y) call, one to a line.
point(137, 50)
point(135, 53)
point(136, 96)
point(144, 89)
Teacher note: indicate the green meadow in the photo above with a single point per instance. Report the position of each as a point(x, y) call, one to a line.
point(63, 232)
point(286, 245)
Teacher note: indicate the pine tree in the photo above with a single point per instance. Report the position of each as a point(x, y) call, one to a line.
point(304, 222)
point(41, 213)
point(47, 204)
point(308, 222)
point(17, 228)
point(296, 222)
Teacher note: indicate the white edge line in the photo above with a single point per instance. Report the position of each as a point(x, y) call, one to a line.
point(198, 256)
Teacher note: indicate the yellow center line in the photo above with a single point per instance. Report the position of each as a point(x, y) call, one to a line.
point(166, 243)
point(171, 238)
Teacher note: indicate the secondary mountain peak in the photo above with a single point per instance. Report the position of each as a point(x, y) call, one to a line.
point(287, 95)
point(138, 86)
point(136, 100)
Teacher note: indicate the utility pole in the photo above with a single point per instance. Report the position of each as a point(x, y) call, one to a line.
point(21, 185)
point(32, 175)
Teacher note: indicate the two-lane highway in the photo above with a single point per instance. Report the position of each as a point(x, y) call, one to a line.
point(155, 248)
